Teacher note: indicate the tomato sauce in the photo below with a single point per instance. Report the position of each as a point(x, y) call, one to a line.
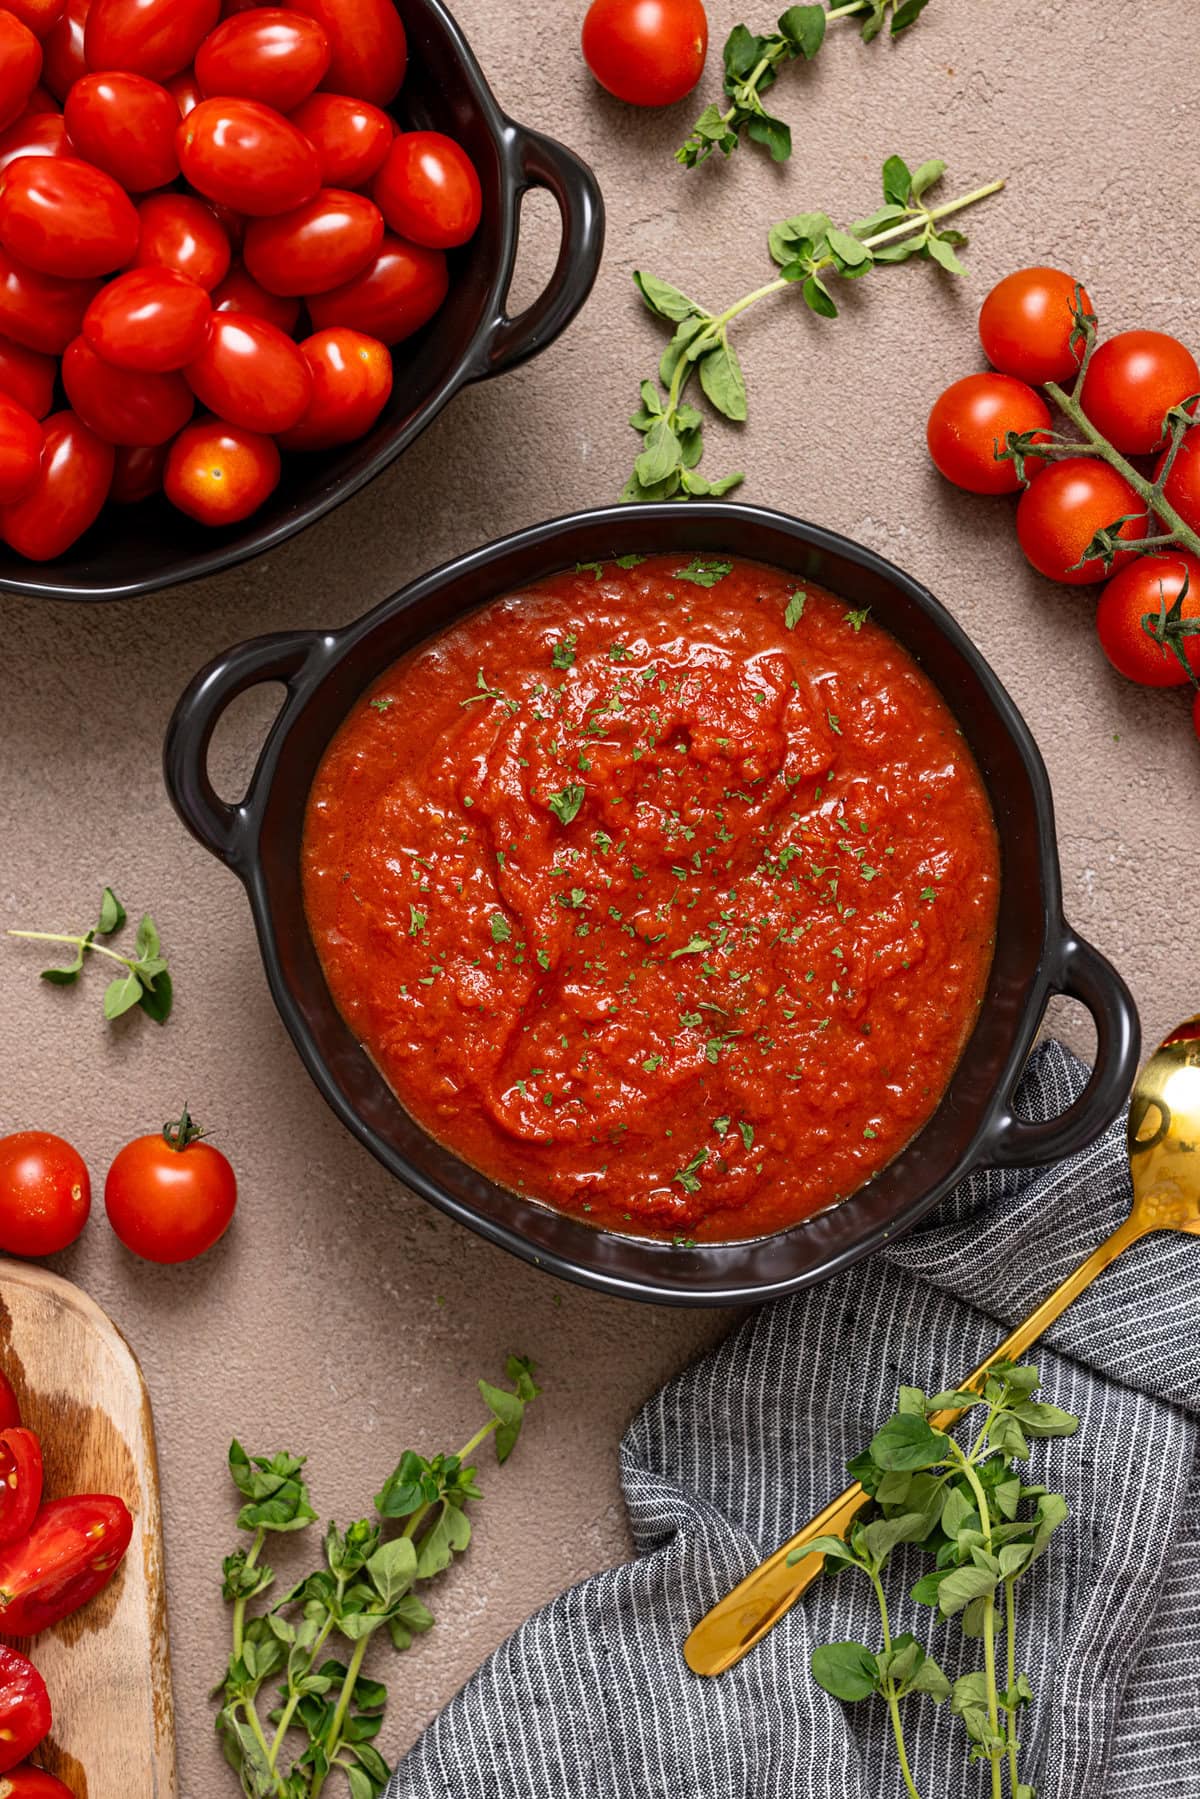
point(663, 893)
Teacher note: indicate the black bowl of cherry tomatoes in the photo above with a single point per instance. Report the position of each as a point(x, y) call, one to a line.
point(247, 254)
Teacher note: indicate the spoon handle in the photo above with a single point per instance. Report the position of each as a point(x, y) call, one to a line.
point(745, 1615)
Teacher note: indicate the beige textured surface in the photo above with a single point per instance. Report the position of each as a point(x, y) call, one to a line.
point(340, 1317)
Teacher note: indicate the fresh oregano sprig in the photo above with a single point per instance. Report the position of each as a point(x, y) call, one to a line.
point(146, 981)
point(366, 1583)
point(970, 1509)
point(808, 247)
point(752, 64)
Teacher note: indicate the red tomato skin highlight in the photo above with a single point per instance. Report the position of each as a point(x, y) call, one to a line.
point(646, 52)
point(351, 137)
point(20, 66)
point(126, 125)
point(351, 382)
point(428, 190)
point(20, 1483)
point(392, 298)
point(63, 217)
point(71, 1554)
point(182, 233)
point(1063, 508)
point(247, 156)
point(971, 419)
point(369, 50)
point(1132, 381)
point(169, 1205)
point(156, 38)
point(35, 134)
point(1139, 590)
point(25, 1716)
point(124, 406)
point(250, 374)
point(149, 319)
point(219, 474)
point(264, 54)
point(45, 1192)
point(322, 244)
point(1025, 325)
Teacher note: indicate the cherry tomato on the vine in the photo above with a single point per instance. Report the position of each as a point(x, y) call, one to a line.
point(20, 66)
point(28, 1782)
point(170, 1196)
point(20, 449)
point(220, 474)
point(1062, 510)
point(368, 45)
point(124, 406)
point(25, 1716)
point(647, 52)
point(393, 296)
point(1025, 325)
point(42, 312)
point(428, 190)
point(351, 381)
point(126, 125)
point(74, 1549)
point(318, 245)
point(45, 1193)
point(72, 485)
point(969, 424)
point(64, 217)
point(250, 374)
point(267, 54)
point(20, 1482)
point(151, 319)
point(181, 233)
point(35, 134)
point(1181, 489)
point(350, 136)
point(63, 61)
point(247, 156)
point(1146, 589)
point(137, 473)
point(1132, 381)
point(240, 292)
point(148, 37)
point(27, 377)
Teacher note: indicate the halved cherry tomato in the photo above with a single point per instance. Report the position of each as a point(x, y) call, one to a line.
point(321, 244)
point(250, 374)
point(41, 16)
point(393, 297)
point(428, 190)
point(124, 406)
point(647, 52)
point(20, 449)
point(970, 422)
point(183, 234)
point(25, 1716)
point(268, 54)
point(74, 1549)
point(42, 312)
point(20, 1483)
point(62, 50)
point(220, 473)
point(1025, 325)
point(45, 1193)
point(152, 319)
point(20, 66)
point(170, 1196)
point(63, 217)
point(247, 156)
point(350, 136)
point(369, 48)
point(35, 134)
point(71, 487)
point(351, 381)
point(10, 1410)
point(27, 377)
point(1141, 591)
point(27, 1782)
point(184, 89)
point(137, 474)
point(126, 125)
point(1062, 510)
point(149, 37)
point(240, 292)
point(1132, 381)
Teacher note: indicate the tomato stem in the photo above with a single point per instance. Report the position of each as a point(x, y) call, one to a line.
point(1150, 491)
point(80, 943)
point(181, 1131)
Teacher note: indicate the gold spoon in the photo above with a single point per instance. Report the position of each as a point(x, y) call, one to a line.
point(1164, 1160)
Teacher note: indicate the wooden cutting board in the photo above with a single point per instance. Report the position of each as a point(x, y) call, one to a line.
point(108, 1668)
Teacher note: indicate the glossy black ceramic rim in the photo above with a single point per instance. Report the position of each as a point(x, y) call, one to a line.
point(306, 661)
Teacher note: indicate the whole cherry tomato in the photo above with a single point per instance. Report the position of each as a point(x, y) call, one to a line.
point(240, 292)
point(351, 381)
point(648, 52)
point(369, 48)
point(183, 234)
point(1132, 380)
point(71, 487)
point(1147, 589)
point(1062, 510)
point(393, 297)
point(351, 137)
point(321, 244)
point(20, 450)
point(63, 217)
point(247, 156)
point(41, 16)
point(137, 474)
point(62, 50)
point(1025, 325)
point(45, 1193)
point(126, 125)
point(170, 1196)
point(20, 66)
point(428, 190)
point(35, 134)
point(10, 1410)
point(28, 1782)
point(124, 406)
point(220, 473)
point(250, 374)
point(27, 377)
point(74, 1549)
point(1181, 490)
point(42, 312)
point(184, 89)
point(147, 37)
point(20, 1482)
point(969, 423)
point(25, 1716)
point(152, 319)
point(270, 55)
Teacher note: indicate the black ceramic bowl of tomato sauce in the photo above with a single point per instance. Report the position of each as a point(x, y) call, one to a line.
point(136, 549)
point(1036, 952)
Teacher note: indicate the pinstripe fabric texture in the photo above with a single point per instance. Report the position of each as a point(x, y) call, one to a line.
point(591, 1699)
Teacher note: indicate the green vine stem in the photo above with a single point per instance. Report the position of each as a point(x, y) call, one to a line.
point(967, 1463)
point(1010, 1727)
point(890, 1687)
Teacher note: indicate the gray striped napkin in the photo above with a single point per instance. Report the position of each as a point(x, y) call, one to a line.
point(591, 1699)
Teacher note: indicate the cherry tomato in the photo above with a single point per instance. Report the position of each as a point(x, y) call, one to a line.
point(152, 319)
point(147, 37)
point(220, 473)
point(184, 89)
point(74, 1549)
point(250, 374)
point(126, 125)
point(42, 312)
point(428, 190)
point(20, 1483)
point(1182, 489)
point(35, 134)
point(27, 377)
point(648, 52)
point(969, 423)
point(41, 16)
point(20, 66)
point(170, 1196)
point(351, 137)
point(1062, 510)
point(45, 1193)
point(1025, 325)
point(240, 292)
point(25, 1716)
point(10, 1411)
point(40, 100)
point(247, 156)
point(269, 55)
point(63, 217)
point(71, 487)
point(63, 59)
point(368, 45)
point(137, 474)
point(1131, 382)
point(232, 223)
point(319, 245)
point(20, 449)
point(351, 381)
point(183, 234)
point(393, 297)
point(28, 1782)
point(1141, 591)
point(124, 406)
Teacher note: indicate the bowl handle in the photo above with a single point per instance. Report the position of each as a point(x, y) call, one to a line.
point(222, 828)
point(1086, 975)
point(536, 161)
